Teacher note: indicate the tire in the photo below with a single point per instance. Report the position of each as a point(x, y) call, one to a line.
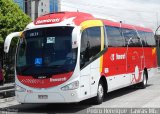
point(100, 93)
point(143, 84)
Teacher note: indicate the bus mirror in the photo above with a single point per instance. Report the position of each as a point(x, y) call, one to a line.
point(75, 36)
point(8, 39)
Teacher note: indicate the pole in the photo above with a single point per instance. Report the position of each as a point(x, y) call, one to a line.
point(157, 18)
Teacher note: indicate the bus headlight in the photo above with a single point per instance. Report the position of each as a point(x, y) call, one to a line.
point(71, 86)
point(19, 88)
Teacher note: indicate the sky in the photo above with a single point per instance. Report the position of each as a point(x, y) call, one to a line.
point(144, 13)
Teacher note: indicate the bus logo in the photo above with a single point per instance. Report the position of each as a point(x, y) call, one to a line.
point(117, 57)
point(58, 79)
point(56, 20)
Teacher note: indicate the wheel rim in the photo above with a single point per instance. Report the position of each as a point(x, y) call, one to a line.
point(100, 91)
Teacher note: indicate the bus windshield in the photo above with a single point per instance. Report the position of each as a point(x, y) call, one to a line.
point(46, 51)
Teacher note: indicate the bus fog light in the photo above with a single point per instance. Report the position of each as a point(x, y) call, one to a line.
point(19, 88)
point(71, 86)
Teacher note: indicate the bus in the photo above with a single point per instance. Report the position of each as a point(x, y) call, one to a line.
point(68, 57)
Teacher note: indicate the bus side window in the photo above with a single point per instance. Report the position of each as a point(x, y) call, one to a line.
point(94, 35)
point(131, 38)
point(143, 38)
point(90, 45)
point(84, 56)
point(114, 36)
point(150, 39)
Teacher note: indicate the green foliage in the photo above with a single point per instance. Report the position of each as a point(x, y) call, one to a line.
point(12, 18)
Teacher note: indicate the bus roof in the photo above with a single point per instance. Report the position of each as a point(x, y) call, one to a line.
point(118, 24)
point(58, 17)
point(78, 17)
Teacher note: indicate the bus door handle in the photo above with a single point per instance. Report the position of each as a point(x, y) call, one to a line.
point(93, 83)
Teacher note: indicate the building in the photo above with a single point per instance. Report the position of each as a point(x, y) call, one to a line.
point(36, 8)
point(54, 5)
point(47, 6)
point(21, 4)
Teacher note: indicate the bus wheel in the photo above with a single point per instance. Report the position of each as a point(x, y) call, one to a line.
point(143, 84)
point(100, 93)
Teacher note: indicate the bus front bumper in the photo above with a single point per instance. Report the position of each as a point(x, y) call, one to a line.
point(47, 97)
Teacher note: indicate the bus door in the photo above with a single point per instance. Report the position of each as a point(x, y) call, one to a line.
point(135, 55)
point(90, 56)
point(84, 65)
point(96, 56)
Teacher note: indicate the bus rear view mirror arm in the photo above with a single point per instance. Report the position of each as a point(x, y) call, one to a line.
point(8, 40)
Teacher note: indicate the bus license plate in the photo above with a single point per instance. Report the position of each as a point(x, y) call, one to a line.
point(42, 96)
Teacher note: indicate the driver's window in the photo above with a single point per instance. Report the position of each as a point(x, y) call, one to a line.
point(21, 52)
point(90, 45)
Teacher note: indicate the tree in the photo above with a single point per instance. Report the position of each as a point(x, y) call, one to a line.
point(12, 18)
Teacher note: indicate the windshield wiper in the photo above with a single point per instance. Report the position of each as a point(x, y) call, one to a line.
point(27, 68)
point(53, 66)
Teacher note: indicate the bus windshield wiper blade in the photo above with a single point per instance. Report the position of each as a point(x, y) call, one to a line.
point(54, 66)
point(27, 68)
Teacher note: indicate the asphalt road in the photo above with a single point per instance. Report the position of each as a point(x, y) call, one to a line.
point(133, 100)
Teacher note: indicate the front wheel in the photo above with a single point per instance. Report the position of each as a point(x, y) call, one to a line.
point(143, 84)
point(100, 93)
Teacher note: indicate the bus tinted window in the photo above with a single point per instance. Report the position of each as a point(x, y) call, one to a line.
point(94, 35)
point(90, 44)
point(148, 39)
point(131, 38)
point(114, 36)
point(143, 38)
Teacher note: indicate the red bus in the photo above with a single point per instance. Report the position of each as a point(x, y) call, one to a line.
point(72, 56)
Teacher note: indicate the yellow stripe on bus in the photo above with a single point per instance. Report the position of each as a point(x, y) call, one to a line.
point(153, 51)
point(102, 38)
point(102, 47)
point(91, 23)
